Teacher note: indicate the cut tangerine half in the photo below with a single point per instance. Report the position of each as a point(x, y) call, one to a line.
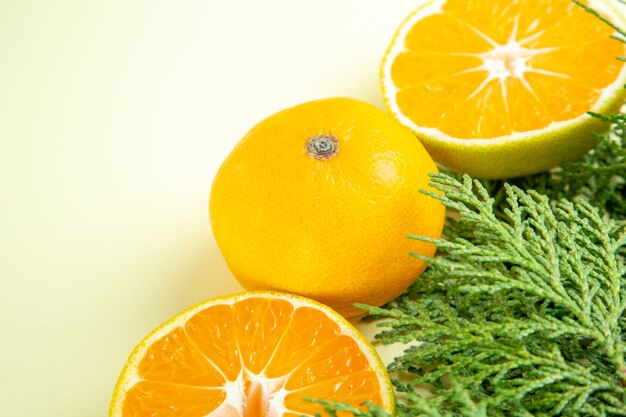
point(501, 88)
point(256, 354)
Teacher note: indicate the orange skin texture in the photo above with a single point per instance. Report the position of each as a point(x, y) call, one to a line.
point(334, 230)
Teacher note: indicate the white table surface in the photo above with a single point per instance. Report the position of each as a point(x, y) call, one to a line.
point(114, 117)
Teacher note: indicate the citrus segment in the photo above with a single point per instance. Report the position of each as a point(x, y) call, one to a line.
point(445, 35)
point(358, 387)
point(159, 399)
point(488, 84)
point(212, 333)
point(259, 324)
point(332, 360)
point(256, 354)
point(162, 358)
point(295, 345)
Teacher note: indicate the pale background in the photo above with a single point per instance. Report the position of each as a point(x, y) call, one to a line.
point(114, 117)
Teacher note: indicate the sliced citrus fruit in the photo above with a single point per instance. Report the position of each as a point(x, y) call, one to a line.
point(501, 88)
point(256, 354)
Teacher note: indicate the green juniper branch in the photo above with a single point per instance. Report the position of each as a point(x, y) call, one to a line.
point(520, 314)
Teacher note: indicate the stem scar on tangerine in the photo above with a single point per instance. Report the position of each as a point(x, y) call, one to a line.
point(322, 146)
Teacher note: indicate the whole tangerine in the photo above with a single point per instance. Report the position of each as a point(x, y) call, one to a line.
point(318, 200)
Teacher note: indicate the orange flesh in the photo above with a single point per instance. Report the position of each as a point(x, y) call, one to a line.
point(259, 349)
point(488, 68)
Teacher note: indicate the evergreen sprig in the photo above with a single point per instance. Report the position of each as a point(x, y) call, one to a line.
point(521, 313)
point(524, 313)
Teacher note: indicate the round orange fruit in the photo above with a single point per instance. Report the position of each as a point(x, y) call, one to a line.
point(251, 354)
point(318, 200)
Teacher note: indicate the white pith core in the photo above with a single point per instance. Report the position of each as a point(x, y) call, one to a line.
point(252, 395)
point(509, 60)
